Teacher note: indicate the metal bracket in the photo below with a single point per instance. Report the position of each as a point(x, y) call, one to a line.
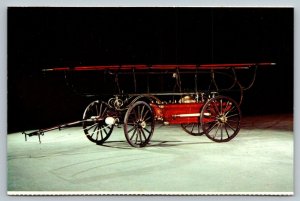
point(34, 133)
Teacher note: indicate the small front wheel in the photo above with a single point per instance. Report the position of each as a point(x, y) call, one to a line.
point(94, 126)
point(139, 124)
point(220, 119)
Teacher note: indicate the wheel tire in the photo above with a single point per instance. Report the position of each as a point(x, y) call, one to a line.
point(94, 126)
point(220, 119)
point(139, 124)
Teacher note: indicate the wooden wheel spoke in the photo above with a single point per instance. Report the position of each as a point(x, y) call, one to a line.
point(95, 128)
point(104, 112)
point(138, 112)
point(135, 114)
point(147, 130)
point(147, 118)
point(215, 108)
point(131, 120)
point(90, 127)
point(233, 121)
point(134, 132)
point(230, 126)
point(142, 111)
point(131, 129)
point(144, 134)
point(137, 136)
point(100, 110)
point(233, 115)
point(226, 131)
point(217, 131)
point(147, 111)
point(211, 127)
point(232, 109)
point(186, 125)
point(140, 135)
point(221, 106)
point(193, 127)
point(101, 133)
point(227, 104)
point(221, 131)
point(104, 129)
point(92, 134)
point(97, 136)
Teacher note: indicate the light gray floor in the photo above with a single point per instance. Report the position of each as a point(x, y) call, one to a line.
point(258, 160)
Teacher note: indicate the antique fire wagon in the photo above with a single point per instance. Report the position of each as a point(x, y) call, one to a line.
point(213, 111)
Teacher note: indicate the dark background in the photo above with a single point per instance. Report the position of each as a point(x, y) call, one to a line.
point(55, 37)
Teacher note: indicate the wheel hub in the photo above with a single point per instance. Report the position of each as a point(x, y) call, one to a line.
point(222, 119)
point(141, 124)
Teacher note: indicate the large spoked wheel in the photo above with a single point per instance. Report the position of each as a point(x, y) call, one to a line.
point(220, 119)
point(139, 124)
point(194, 129)
point(94, 126)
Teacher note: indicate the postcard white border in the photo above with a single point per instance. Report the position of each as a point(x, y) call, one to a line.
point(136, 3)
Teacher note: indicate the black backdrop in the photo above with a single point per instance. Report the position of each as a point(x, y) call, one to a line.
point(54, 37)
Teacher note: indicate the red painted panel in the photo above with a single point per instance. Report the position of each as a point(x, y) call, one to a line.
point(169, 112)
point(186, 112)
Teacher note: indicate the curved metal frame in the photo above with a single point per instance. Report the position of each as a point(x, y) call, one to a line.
point(176, 73)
